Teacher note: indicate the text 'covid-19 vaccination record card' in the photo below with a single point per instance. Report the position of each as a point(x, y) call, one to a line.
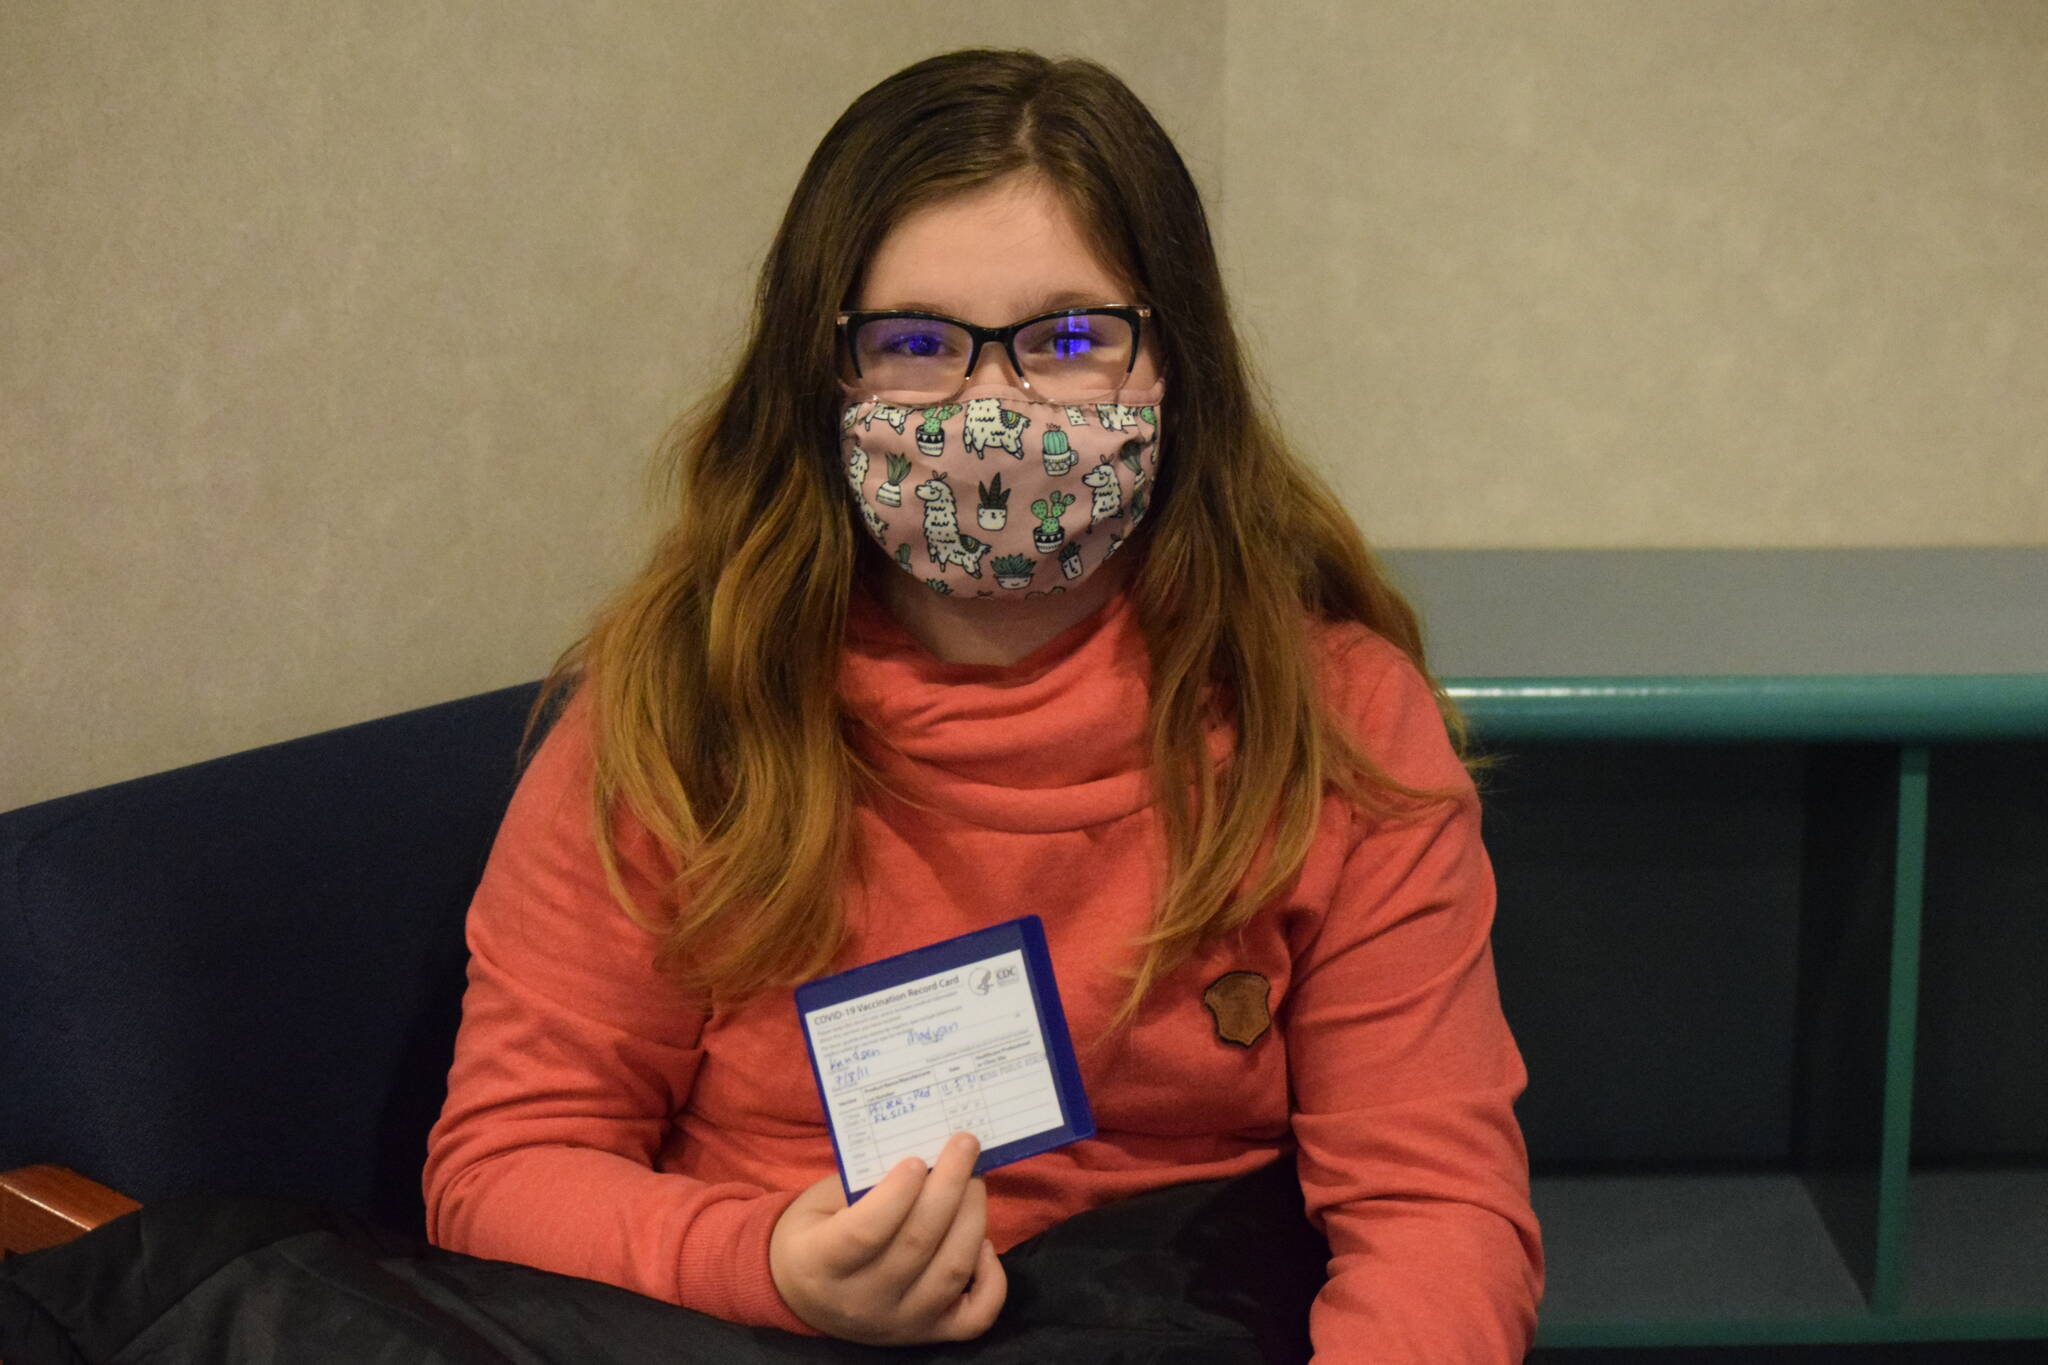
point(963, 1035)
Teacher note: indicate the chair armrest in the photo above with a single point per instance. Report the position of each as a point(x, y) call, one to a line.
point(41, 1206)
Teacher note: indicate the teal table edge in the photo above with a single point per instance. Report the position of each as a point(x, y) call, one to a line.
point(1885, 708)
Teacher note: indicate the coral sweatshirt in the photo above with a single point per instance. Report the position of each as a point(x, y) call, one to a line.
point(600, 1124)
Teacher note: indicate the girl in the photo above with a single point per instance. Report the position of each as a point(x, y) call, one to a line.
point(1149, 685)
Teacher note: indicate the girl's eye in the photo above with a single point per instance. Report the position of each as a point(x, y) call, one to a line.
point(917, 345)
point(1071, 343)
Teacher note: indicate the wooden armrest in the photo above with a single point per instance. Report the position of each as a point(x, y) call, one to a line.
point(41, 1206)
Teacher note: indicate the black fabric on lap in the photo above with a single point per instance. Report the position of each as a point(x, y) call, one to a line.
point(1220, 1272)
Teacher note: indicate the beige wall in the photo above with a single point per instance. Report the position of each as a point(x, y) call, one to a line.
point(1653, 272)
point(336, 337)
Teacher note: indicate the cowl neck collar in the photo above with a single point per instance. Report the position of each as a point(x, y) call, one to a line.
point(1053, 741)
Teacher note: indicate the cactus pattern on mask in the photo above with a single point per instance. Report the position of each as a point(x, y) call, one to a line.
point(1101, 456)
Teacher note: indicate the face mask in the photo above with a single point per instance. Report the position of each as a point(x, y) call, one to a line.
point(995, 495)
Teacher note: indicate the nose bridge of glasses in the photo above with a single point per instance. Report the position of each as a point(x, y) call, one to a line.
point(1005, 366)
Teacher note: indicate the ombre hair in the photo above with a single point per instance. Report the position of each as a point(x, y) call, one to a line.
point(711, 675)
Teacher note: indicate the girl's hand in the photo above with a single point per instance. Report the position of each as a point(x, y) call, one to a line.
point(909, 1261)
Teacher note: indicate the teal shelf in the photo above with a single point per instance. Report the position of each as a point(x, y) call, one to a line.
point(1892, 708)
point(1785, 822)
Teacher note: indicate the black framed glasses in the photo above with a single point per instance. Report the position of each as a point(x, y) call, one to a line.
point(1073, 355)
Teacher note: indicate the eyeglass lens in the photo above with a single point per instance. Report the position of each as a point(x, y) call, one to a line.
point(1068, 359)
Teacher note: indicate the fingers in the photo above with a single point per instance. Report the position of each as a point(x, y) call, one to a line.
point(952, 1264)
point(866, 1228)
point(924, 1230)
point(975, 1311)
point(907, 1261)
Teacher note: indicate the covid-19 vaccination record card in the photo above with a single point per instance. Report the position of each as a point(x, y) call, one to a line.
point(963, 1035)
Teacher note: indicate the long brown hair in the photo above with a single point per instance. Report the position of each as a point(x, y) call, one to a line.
point(712, 673)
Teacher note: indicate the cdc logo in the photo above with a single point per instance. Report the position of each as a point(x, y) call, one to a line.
point(982, 980)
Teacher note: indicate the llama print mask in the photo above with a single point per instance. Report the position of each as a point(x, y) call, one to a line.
point(996, 495)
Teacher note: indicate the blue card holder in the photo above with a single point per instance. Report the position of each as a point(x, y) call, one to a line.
point(967, 1033)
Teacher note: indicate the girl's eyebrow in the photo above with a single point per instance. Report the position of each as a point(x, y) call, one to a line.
point(1067, 298)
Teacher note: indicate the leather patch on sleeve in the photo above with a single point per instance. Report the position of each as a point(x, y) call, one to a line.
point(1238, 1002)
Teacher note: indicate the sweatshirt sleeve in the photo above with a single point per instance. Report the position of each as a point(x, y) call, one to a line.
point(572, 1054)
point(1405, 1074)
